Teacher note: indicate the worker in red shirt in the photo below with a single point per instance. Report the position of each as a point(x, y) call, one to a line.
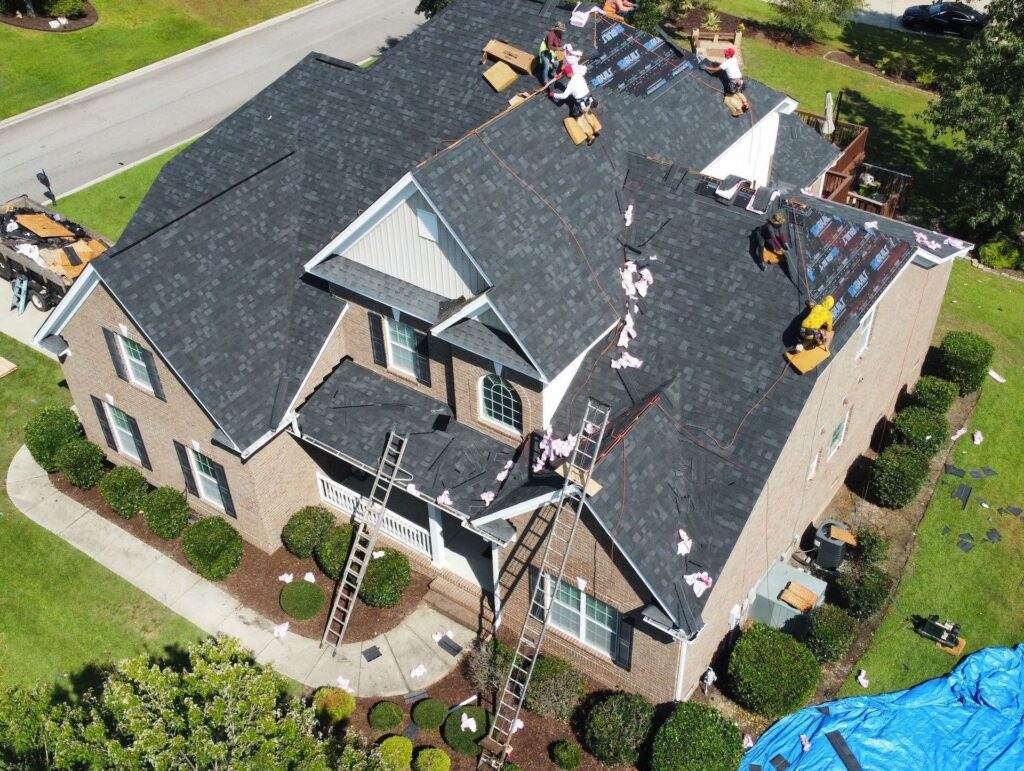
point(552, 48)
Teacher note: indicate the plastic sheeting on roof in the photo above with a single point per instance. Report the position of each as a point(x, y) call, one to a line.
point(971, 719)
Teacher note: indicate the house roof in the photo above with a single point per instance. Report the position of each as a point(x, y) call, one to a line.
point(798, 157)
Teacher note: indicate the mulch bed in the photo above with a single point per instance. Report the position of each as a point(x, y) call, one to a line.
point(42, 23)
point(255, 583)
point(683, 24)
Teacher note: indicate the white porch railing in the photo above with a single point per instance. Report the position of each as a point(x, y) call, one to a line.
point(397, 528)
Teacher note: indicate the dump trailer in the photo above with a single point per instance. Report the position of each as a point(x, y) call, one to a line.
point(44, 247)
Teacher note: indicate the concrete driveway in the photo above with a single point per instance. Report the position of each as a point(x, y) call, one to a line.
point(100, 130)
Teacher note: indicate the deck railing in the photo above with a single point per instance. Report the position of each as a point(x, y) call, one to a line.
point(851, 137)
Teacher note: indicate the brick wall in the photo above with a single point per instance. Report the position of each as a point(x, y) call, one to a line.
point(467, 370)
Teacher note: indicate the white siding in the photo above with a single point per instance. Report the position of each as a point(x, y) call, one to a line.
point(395, 246)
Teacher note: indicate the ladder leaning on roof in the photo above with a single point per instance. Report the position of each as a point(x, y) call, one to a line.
point(367, 519)
point(563, 527)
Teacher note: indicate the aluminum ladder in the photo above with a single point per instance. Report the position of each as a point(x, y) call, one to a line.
point(557, 543)
point(19, 294)
point(367, 520)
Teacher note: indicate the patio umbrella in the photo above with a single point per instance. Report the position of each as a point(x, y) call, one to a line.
point(829, 124)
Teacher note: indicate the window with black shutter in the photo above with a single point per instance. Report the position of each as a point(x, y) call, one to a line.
point(380, 355)
point(186, 468)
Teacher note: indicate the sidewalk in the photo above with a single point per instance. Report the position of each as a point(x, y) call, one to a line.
point(209, 607)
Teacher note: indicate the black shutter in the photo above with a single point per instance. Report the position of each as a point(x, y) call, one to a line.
point(422, 359)
point(186, 468)
point(139, 444)
point(225, 492)
point(377, 340)
point(538, 609)
point(115, 353)
point(624, 648)
point(154, 378)
point(101, 414)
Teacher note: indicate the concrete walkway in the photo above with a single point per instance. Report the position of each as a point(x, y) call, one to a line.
point(215, 611)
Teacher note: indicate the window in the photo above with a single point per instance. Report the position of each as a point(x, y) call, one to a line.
point(813, 468)
point(865, 332)
point(500, 403)
point(402, 341)
point(135, 360)
point(428, 224)
point(124, 435)
point(206, 479)
point(584, 617)
point(838, 435)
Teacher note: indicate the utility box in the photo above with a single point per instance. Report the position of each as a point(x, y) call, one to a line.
point(830, 551)
point(769, 609)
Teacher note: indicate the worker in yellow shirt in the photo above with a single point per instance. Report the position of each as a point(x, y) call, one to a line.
point(816, 328)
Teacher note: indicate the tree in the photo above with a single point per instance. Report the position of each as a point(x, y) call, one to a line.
point(430, 8)
point(23, 721)
point(981, 108)
point(804, 19)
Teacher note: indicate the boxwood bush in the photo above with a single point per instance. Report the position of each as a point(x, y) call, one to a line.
point(921, 428)
point(301, 600)
point(80, 462)
point(555, 688)
point(966, 358)
point(429, 714)
point(934, 393)
point(332, 551)
point(696, 737)
point(166, 512)
point(432, 759)
point(865, 590)
point(898, 474)
point(770, 673)
point(305, 529)
point(466, 742)
point(396, 753)
point(124, 489)
point(385, 716)
point(332, 705)
point(386, 580)
point(212, 547)
point(49, 429)
point(566, 755)
point(831, 633)
point(617, 727)
point(1001, 254)
point(872, 547)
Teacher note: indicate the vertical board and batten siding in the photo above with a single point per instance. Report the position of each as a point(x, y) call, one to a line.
point(394, 246)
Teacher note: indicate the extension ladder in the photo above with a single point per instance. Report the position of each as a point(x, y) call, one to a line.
point(563, 527)
point(20, 294)
point(367, 520)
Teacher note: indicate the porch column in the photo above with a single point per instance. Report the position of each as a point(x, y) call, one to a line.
point(496, 582)
point(436, 538)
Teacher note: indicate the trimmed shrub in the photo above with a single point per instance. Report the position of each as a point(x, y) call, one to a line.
point(934, 393)
point(1000, 254)
point(385, 716)
point(332, 551)
point(921, 428)
point(301, 600)
point(166, 512)
point(872, 546)
point(898, 474)
point(465, 742)
point(49, 429)
point(306, 529)
point(80, 462)
point(696, 737)
point(332, 705)
point(212, 547)
point(71, 9)
point(432, 759)
point(396, 753)
point(429, 714)
point(617, 727)
point(966, 358)
point(566, 755)
point(771, 673)
point(865, 590)
point(488, 665)
point(124, 489)
point(555, 688)
point(386, 580)
point(832, 632)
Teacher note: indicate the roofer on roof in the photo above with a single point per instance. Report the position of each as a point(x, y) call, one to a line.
point(816, 328)
point(551, 47)
point(577, 95)
point(731, 68)
point(771, 240)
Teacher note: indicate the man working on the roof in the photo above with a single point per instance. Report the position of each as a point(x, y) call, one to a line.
point(731, 68)
point(577, 95)
point(816, 328)
point(550, 48)
point(619, 8)
point(771, 240)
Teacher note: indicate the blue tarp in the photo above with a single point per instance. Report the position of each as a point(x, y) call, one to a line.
point(973, 718)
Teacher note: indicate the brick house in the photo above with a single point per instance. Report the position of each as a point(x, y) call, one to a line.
point(360, 251)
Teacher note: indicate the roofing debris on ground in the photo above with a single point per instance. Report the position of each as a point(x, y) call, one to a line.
point(29, 233)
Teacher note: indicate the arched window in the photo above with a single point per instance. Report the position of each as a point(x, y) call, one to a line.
point(500, 403)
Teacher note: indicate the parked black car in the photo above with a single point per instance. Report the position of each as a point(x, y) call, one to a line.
point(944, 19)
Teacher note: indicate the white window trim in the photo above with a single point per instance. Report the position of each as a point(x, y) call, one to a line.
point(145, 386)
point(842, 437)
point(812, 470)
point(387, 347)
point(866, 328)
point(428, 227)
point(217, 504)
point(114, 428)
point(485, 418)
point(549, 600)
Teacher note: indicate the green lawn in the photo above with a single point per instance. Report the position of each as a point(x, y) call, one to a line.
point(38, 67)
point(60, 612)
point(982, 589)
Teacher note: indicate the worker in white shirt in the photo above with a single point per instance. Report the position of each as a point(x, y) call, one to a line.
point(731, 68)
point(576, 92)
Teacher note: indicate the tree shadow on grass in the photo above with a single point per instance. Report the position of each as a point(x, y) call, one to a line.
point(919, 52)
point(91, 677)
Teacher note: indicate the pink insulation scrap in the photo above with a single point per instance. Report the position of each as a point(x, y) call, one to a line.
point(700, 582)
point(503, 474)
point(626, 361)
point(487, 498)
point(628, 215)
point(554, 449)
point(685, 544)
point(445, 498)
point(628, 331)
point(923, 240)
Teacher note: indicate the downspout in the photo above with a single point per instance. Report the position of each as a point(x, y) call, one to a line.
point(496, 582)
point(681, 669)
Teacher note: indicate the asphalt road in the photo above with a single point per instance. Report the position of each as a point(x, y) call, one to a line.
point(886, 13)
point(99, 131)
